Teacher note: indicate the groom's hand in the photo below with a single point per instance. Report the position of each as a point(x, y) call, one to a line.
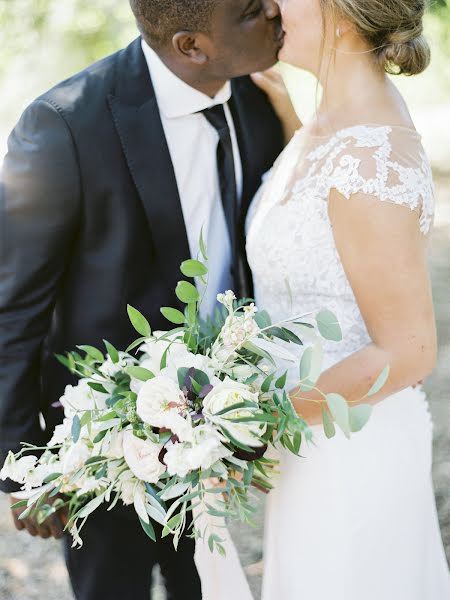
point(53, 526)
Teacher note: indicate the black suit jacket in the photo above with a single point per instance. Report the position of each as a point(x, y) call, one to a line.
point(90, 220)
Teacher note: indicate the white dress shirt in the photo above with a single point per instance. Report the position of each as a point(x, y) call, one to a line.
point(192, 145)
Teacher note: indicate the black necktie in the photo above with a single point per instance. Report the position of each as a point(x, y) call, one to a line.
point(227, 175)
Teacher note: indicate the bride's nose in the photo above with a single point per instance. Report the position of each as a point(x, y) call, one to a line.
point(271, 9)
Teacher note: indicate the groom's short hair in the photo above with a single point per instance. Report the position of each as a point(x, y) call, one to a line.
point(159, 20)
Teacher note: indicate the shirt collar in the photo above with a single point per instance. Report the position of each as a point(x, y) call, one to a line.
point(175, 97)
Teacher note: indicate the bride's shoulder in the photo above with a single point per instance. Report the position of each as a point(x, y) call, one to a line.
point(386, 162)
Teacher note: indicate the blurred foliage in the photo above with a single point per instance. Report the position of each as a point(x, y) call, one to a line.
point(82, 30)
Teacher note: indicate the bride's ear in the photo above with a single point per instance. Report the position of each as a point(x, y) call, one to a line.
point(188, 45)
point(342, 28)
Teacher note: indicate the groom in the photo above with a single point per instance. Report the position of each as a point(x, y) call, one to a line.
point(109, 179)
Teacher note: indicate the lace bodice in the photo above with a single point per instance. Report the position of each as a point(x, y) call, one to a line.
point(290, 244)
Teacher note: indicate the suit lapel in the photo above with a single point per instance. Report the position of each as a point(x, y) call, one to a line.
point(137, 120)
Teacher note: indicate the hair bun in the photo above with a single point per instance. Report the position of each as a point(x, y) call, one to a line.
point(405, 52)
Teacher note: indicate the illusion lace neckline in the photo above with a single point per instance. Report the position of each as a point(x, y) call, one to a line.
point(307, 128)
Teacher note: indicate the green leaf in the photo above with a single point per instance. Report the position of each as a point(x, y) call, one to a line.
point(173, 315)
point(359, 415)
point(95, 459)
point(92, 353)
point(186, 292)
point(139, 322)
point(328, 425)
point(100, 436)
point(149, 529)
point(339, 409)
point(19, 504)
point(51, 477)
point(381, 380)
point(310, 367)
point(97, 387)
point(281, 381)
point(140, 373)
point(193, 268)
point(265, 387)
point(76, 429)
point(171, 525)
point(113, 353)
point(202, 246)
point(64, 361)
point(329, 326)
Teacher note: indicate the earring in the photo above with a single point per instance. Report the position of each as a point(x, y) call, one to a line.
point(338, 32)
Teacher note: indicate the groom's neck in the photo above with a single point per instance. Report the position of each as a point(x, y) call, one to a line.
point(193, 77)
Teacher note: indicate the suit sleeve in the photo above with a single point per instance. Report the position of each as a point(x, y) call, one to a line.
point(39, 206)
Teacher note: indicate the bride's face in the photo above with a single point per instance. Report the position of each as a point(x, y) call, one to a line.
point(303, 24)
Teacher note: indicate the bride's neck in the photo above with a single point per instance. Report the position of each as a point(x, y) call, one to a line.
point(353, 86)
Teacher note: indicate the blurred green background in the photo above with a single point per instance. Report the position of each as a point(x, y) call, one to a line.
point(45, 41)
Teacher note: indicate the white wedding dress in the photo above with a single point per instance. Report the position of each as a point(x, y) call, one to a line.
point(351, 520)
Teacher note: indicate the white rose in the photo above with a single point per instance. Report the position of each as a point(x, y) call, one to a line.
point(74, 457)
point(142, 456)
point(160, 402)
point(17, 470)
point(81, 398)
point(225, 395)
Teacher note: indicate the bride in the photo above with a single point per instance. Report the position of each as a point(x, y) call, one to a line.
point(343, 222)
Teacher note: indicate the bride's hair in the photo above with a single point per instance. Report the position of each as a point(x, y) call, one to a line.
point(393, 28)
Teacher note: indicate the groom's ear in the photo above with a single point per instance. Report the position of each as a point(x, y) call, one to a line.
point(189, 46)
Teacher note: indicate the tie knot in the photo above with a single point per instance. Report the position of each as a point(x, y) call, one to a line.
point(216, 117)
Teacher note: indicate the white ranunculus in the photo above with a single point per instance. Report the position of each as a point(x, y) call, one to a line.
point(142, 456)
point(160, 403)
point(109, 368)
point(37, 475)
point(205, 450)
point(61, 432)
point(177, 459)
point(81, 397)
point(17, 470)
point(87, 485)
point(74, 457)
point(156, 347)
point(226, 394)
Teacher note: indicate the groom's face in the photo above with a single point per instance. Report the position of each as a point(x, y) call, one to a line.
point(245, 36)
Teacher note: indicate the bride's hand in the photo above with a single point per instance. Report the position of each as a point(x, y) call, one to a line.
point(271, 82)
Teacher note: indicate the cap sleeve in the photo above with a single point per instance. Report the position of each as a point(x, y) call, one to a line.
point(386, 163)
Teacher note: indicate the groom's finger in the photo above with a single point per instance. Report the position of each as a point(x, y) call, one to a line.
point(55, 526)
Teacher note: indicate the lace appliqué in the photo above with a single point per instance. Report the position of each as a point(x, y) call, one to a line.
point(290, 244)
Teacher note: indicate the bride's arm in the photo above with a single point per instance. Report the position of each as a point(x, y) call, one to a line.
point(384, 256)
point(271, 82)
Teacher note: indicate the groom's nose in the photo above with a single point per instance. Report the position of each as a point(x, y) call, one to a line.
point(271, 9)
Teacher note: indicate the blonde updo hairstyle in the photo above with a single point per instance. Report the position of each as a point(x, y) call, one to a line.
point(392, 28)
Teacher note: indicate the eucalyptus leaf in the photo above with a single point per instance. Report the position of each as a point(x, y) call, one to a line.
point(76, 429)
point(329, 325)
point(380, 381)
point(339, 409)
point(359, 416)
point(328, 425)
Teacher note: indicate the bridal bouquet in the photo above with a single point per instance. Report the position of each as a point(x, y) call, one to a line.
point(152, 425)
